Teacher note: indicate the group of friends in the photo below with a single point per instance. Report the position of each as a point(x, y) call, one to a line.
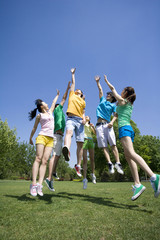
point(49, 142)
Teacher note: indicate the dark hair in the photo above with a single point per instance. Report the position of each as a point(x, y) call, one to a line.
point(129, 94)
point(113, 98)
point(32, 113)
point(57, 104)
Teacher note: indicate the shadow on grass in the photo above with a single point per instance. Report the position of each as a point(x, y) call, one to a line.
point(108, 202)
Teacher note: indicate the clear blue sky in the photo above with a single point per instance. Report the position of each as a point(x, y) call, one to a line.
point(41, 40)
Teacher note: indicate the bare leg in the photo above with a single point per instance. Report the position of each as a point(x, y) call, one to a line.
point(35, 168)
point(116, 153)
point(42, 170)
point(106, 154)
point(79, 152)
point(67, 140)
point(84, 163)
point(130, 154)
point(134, 171)
point(55, 163)
point(91, 156)
point(51, 162)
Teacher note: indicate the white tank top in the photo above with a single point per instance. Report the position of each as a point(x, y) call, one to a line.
point(47, 124)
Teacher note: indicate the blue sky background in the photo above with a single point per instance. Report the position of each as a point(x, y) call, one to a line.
point(41, 40)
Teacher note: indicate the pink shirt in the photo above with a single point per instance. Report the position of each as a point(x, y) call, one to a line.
point(47, 124)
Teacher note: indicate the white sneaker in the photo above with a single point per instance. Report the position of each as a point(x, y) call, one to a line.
point(119, 168)
point(39, 189)
point(111, 168)
point(93, 178)
point(33, 190)
point(85, 183)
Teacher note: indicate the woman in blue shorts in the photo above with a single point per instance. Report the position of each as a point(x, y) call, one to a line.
point(126, 135)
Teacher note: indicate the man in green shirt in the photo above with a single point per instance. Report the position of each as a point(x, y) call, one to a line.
point(59, 127)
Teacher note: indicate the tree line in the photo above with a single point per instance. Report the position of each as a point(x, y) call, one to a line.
point(16, 158)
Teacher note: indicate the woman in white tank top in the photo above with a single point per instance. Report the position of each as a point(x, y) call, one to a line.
point(44, 142)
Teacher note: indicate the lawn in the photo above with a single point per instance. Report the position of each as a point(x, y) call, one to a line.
point(101, 212)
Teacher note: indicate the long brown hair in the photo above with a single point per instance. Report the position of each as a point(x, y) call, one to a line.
point(129, 94)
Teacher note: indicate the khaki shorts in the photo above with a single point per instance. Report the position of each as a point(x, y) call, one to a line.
point(57, 147)
point(44, 140)
point(105, 135)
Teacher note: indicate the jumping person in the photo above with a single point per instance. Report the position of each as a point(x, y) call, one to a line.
point(104, 127)
point(59, 127)
point(88, 146)
point(126, 135)
point(75, 122)
point(44, 142)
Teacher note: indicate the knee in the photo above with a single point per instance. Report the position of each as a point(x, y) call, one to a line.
point(44, 161)
point(38, 159)
point(80, 145)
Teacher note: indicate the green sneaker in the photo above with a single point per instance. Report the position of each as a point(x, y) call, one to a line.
point(49, 185)
point(137, 191)
point(156, 185)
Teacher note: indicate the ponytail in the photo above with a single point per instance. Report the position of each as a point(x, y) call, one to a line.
point(32, 113)
point(129, 94)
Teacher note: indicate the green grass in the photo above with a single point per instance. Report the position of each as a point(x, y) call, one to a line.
point(101, 212)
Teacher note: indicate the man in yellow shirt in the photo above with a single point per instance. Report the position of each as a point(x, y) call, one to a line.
point(75, 122)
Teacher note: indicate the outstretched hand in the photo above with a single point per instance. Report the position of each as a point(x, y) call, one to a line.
point(73, 70)
point(105, 78)
point(58, 92)
point(97, 78)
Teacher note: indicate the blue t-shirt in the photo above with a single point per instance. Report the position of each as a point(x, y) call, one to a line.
point(105, 109)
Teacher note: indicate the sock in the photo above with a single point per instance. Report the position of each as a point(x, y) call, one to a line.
point(153, 178)
point(137, 185)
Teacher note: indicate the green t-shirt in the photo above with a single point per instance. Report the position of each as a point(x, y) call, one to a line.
point(124, 114)
point(59, 119)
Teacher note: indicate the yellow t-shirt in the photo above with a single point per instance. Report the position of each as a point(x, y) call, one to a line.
point(76, 105)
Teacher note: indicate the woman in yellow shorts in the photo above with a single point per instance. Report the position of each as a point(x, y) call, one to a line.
point(44, 142)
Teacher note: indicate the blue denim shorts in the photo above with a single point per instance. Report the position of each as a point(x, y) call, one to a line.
point(75, 124)
point(126, 131)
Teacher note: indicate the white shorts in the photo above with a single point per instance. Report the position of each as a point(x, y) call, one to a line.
point(105, 135)
point(57, 146)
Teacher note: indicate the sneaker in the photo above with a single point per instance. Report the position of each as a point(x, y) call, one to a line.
point(55, 176)
point(33, 190)
point(119, 168)
point(93, 178)
point(156, 185)
point(39, 189)
point(137, 191)
point(66, 153)
point(85, 183)
point(78, 170)
point(49, 185)
point(111, 168)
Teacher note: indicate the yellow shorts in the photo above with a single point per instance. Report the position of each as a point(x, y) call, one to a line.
point(44, 140)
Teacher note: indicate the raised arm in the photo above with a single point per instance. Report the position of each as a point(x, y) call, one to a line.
point(54, 102)
point(34, 129)
point(97, 79)
point(65, 94)
point(116, 95)
point(73, 79)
